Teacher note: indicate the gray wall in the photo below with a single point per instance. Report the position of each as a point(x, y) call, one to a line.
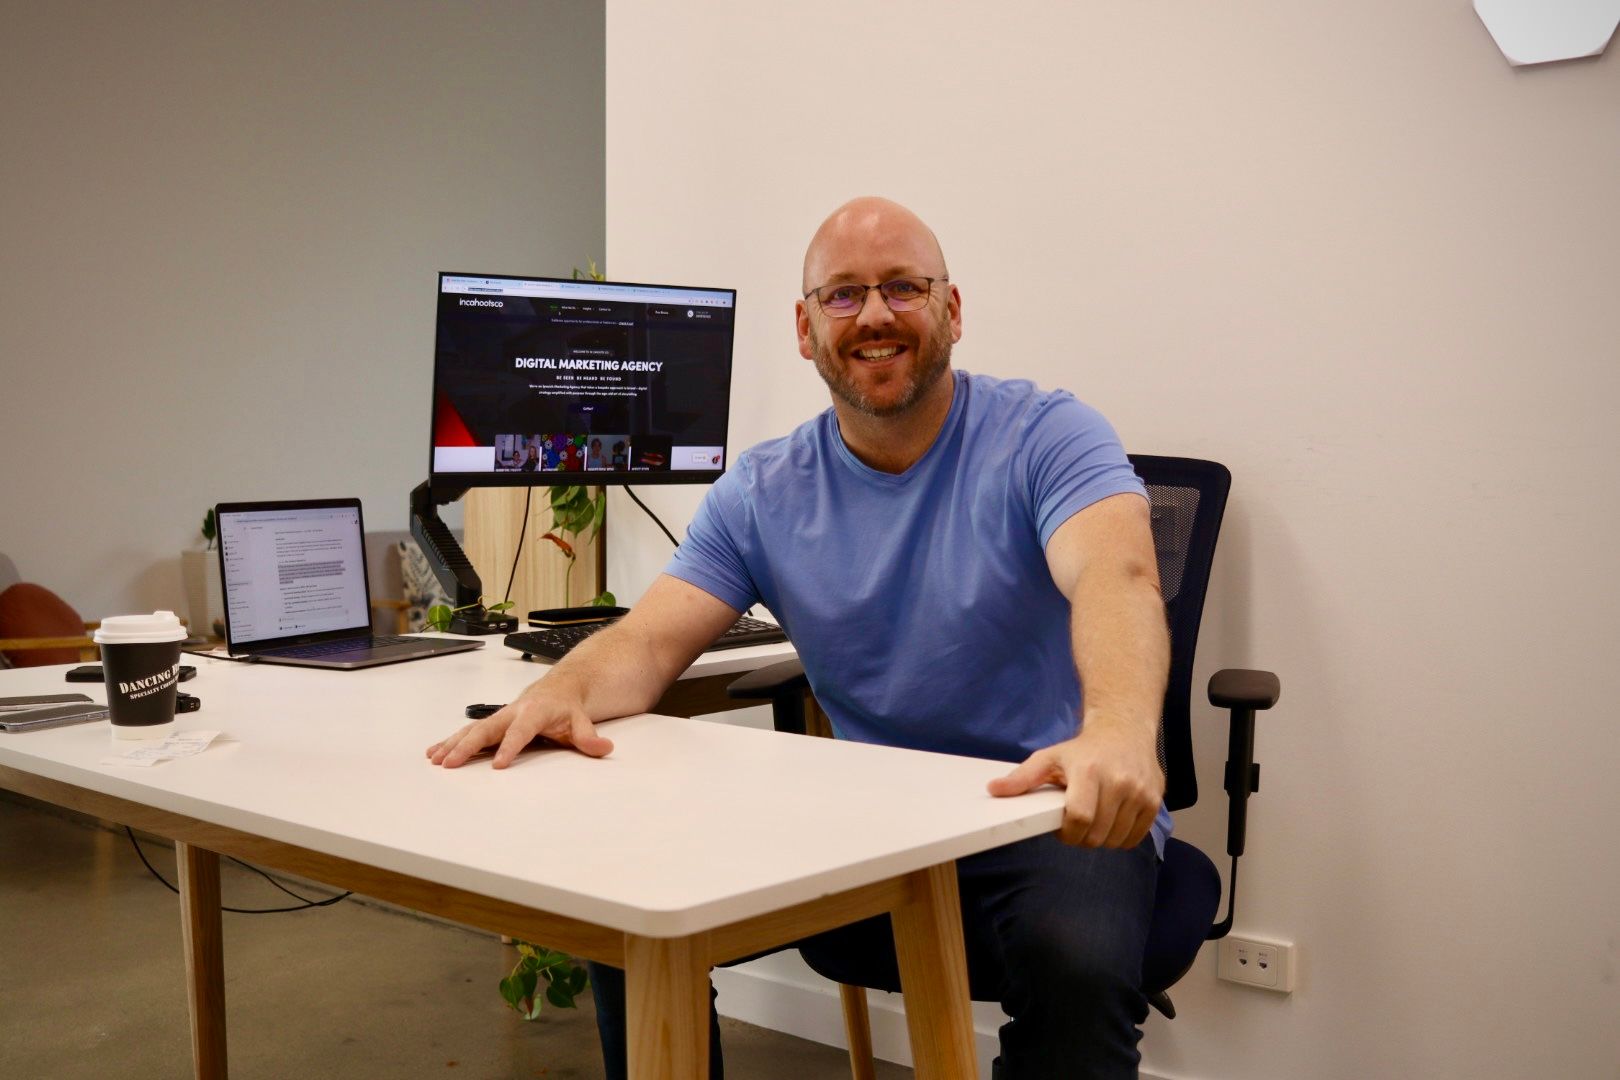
point(222, 225)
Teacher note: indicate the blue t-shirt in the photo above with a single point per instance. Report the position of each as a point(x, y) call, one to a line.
point(921, 604)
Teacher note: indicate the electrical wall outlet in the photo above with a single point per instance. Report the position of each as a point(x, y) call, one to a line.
point(1253, 962)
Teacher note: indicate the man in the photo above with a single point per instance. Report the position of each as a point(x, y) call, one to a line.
point(953, 557)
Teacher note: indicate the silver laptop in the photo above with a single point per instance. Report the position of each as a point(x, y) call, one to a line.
point(294, 577)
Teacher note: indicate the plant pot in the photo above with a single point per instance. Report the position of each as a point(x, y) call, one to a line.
point(205, 607)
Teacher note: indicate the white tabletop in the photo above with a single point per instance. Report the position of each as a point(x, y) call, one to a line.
point(687, 825)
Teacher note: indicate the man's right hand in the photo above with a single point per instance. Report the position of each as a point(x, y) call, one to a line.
point(535, 713)
point(620, 671)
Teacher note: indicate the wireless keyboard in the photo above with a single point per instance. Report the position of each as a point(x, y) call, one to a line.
point(554, 642)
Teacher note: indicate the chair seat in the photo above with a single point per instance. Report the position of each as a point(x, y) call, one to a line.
point(1184, 907)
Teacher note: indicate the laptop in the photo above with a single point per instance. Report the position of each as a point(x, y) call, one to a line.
point(294, 577)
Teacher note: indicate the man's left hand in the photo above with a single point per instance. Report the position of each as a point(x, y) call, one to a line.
point(1114, 784)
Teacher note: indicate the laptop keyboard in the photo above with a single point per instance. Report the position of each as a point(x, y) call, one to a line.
point(342, 645)
point(555, 642)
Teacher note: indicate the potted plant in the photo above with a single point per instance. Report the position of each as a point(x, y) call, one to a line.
point(199, 575)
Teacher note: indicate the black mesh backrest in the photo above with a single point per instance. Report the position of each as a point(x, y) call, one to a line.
point(1189, 497)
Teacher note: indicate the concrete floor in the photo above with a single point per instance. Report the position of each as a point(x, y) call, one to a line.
point(92, 981)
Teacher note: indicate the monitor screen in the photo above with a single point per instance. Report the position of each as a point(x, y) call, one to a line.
point(552, 381)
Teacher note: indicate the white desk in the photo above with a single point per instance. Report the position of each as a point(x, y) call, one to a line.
point(692, 844)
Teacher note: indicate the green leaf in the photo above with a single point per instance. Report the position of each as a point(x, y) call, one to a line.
point(528, 981)
point(512, 992)
point(579, 979)
point(438, 618)
point(524, 948)
point(560, 996)
point(505, 605)
point(605, 600)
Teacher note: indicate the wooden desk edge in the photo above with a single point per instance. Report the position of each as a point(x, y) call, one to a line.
point(576, 936)
point(498, 916)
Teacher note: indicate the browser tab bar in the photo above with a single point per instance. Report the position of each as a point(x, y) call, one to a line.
point(586, 290)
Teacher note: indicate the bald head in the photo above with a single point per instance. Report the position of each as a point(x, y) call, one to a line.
point(866, 229)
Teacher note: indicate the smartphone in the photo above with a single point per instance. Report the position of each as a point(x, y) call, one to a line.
point(575, 616)
point(34, 701)
point(51, 716)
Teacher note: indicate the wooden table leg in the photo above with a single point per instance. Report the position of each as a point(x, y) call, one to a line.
point(205, 958)
point(858, 1029)
point(667, 999)
point(933, 976)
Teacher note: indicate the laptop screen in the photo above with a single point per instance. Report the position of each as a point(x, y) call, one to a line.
point(292, 570)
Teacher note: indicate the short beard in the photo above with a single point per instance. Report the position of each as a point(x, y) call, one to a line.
point(933, 360)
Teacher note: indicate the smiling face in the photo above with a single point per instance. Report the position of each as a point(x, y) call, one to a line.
point(879, 362)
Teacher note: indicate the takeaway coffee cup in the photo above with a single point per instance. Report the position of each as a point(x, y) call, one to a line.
point(140, 658)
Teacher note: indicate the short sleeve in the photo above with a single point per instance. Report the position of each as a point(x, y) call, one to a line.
point(710, 557)
point(1072, 459)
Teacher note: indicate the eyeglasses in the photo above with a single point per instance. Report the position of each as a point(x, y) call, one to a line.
point(901, 294)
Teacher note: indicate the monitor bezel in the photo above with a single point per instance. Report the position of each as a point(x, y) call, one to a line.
point(447, 481)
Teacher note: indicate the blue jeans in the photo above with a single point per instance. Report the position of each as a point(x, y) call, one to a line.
point(1054, 933)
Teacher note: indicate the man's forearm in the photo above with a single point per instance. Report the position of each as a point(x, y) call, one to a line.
point(614, 672)
point(1121, 645)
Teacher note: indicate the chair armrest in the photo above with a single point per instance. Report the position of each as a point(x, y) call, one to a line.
point(1243, 692)
point(20, 644)
point(1237, 688)
point(770, 682)
point(87, 648)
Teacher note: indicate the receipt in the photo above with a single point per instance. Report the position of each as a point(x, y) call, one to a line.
point(178, 744)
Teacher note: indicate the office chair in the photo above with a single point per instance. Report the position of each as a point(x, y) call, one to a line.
point(1188, 499)
point(37, 627)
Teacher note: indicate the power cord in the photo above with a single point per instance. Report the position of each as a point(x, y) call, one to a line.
point(515, 555)
point(652, 515)
point(661, 525)
point(306, 902)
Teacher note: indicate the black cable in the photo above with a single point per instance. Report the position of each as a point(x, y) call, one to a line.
point(652, 515)
point(661, 525)
point(272, 881)
point(521, 534)
point(306, 905)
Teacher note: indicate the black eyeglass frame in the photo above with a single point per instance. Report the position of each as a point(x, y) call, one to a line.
point(860, 305)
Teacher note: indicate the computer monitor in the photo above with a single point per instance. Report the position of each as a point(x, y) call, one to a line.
point(546, 381)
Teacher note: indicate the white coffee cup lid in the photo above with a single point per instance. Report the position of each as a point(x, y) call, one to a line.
point(140, 629)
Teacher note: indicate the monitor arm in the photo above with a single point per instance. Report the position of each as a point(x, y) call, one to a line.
point(451, 565)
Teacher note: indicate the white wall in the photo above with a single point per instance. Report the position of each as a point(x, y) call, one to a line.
point(1345, 249)
point(222, 225)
